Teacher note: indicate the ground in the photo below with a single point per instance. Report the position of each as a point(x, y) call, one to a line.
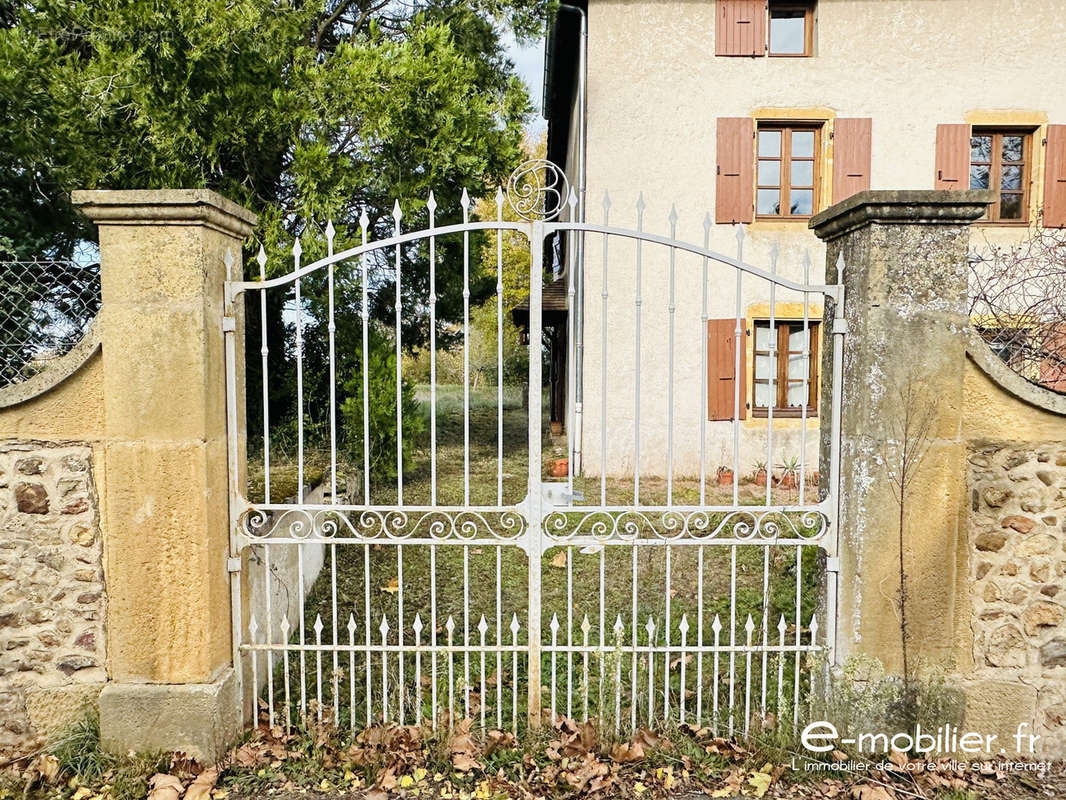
point(568, 762)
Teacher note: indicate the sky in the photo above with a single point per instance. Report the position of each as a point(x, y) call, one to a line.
point(529, 61)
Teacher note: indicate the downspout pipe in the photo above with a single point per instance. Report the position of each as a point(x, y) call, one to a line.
point(579, 275)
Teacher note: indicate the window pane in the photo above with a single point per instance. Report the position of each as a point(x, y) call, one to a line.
point(769, 173)
point(979, 176)
point(1012, 178)
point(802, 201)
point(769, 201)
point(796, 339)
point(763, 365)
point(787, 32)
point(795, 367)
point(803, 144)
point(980, 148)
point(797, 395)
point(762, 395)
point(1013, 148)
point(762, 337)
point(803, 173)
point(770, 143)
point(1010, 206)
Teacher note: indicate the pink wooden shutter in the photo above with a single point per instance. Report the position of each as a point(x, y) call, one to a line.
point(1055, 178)
point(952, 157)
point(735, 184)
point(851, 157)
point(721, 369)
point(740, 28)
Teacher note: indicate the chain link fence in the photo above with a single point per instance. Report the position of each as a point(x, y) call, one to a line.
point(46, 307)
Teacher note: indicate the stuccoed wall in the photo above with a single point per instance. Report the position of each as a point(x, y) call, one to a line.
point(1014, 609)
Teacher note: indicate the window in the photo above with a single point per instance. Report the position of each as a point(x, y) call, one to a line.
point(779, 354)
point(791, 29)
point(999, 160)
point(787, 171)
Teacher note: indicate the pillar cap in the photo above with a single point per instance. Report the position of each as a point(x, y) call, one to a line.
point(165, 207)
point(915, 206)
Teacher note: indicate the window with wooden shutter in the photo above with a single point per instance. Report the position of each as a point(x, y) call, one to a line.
point(851, 157)
point(789, 170)
point(952, 156)
point(1000, 160)
point(786, 368)
point(740, 28)
point(734, 200)
point(723, 370)
point(1055, 178)
point(791, 32)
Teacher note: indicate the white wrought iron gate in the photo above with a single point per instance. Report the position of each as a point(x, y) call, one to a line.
point(406, 554)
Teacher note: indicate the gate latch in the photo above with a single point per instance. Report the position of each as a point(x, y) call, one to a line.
point(233, 564)
point(555, 494)
point(832, 564)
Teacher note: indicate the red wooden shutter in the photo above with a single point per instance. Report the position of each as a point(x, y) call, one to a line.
point(851, 157)
point(952, 156)
point(740, 28)
point(1055, 177)
point(721, 368)
point(735, 185)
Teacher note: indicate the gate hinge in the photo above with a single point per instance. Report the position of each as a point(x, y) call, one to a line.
point(832, 564)
point(233, 564)
point(229, 324)
point(840, 326)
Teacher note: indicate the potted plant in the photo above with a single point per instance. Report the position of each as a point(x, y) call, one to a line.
point(724, 476)
point(759, 473)
point(790, 468)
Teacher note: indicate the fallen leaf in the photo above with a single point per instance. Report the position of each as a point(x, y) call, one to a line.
point(392, 587)
point(463, 762)
point(377, 794)
point(627, 753)
point(560, 559)
point(200, 789)
point(47, 766)
point(898, 758)
point(760, 782)
point(164, 787)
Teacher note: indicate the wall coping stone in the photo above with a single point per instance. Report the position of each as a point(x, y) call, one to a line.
point(901, 206)
point(990, 364)
point(165, 207)
point(56, 372)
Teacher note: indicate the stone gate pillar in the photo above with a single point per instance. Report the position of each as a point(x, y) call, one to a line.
point(164, 496)
point(905, 277)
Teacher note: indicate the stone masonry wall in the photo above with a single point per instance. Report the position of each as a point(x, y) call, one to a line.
point(51, 589)
point(1018, 572)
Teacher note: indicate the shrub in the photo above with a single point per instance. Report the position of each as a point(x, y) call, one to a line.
point(381, 375)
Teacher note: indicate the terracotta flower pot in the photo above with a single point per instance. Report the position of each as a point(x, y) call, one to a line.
point(560, 468)
point(725, 477)
point(787, 481)
point(760, 478)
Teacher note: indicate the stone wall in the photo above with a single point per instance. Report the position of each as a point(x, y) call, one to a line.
point(52, 599)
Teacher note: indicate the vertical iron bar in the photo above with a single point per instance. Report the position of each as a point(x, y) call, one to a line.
point(603, 358)
point(636, 397)
point(432, 206)
point(364, 223)
point(396, 215)
point(671, 308)
point(534, 533)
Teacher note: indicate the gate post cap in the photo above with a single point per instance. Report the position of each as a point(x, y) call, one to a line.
point(165, 207)
point(919, 206)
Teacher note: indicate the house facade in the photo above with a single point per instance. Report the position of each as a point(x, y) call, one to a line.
point(761, 114)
